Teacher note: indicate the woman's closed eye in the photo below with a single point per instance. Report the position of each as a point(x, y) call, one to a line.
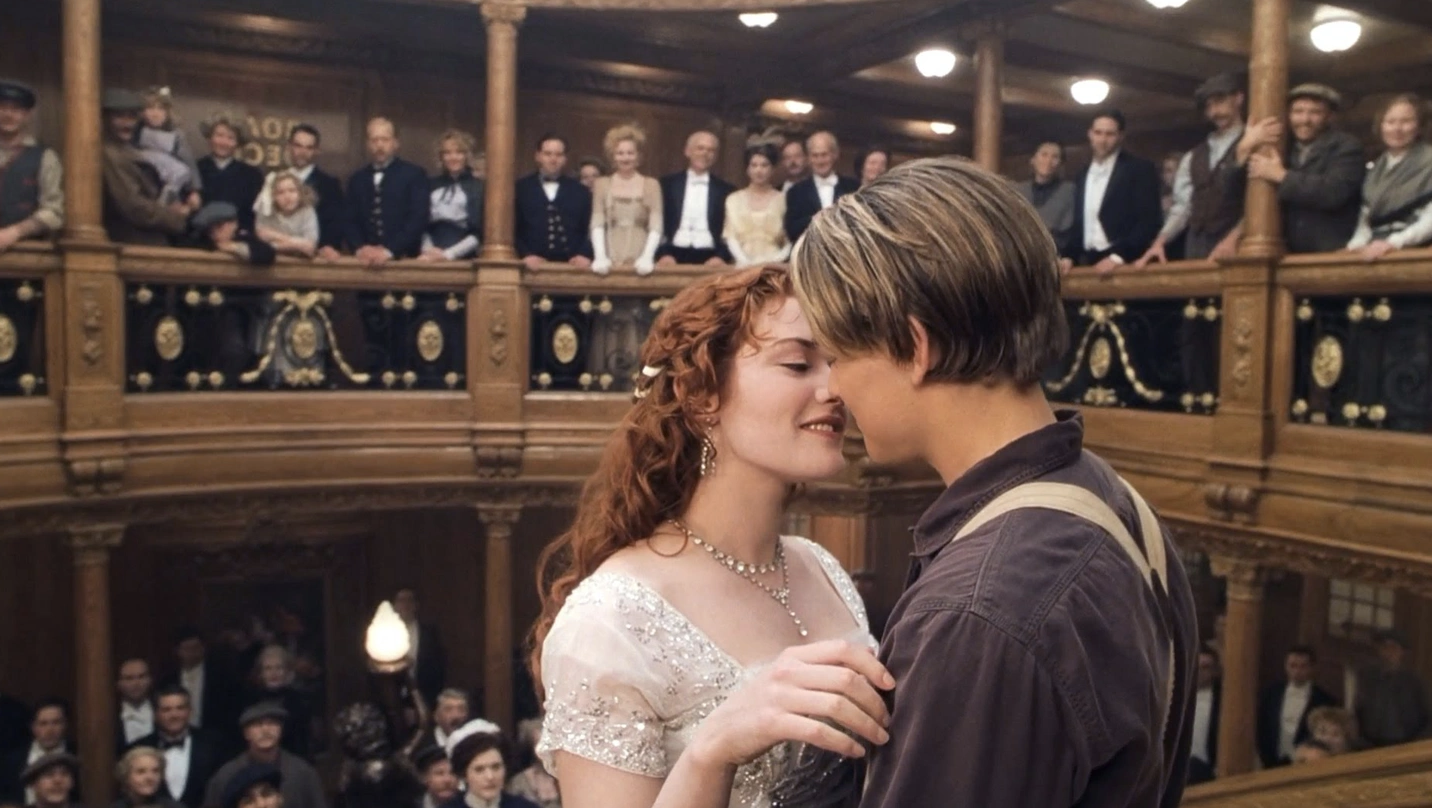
point(798, 367)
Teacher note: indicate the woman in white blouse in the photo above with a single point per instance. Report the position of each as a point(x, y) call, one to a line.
point(1397, 194)
point(755, 231)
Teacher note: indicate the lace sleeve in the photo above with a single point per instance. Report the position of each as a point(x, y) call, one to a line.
point(599, 691)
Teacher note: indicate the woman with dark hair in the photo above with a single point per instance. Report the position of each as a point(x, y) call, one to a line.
point(755, 215)
point(479, 755)
point(140, 774)
point(871, 163)
point(1397, 194)
point(690, 654)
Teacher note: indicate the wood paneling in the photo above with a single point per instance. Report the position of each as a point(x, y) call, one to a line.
point(37, 635)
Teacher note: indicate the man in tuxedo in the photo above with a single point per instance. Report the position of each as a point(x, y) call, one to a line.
point(387, 201)
point(693, 204)
point(47, 737)
point(1116, 202)
point(1320, 182)
point(191, 755)
point(1208, 700)
point(1283, 708)
point(793, 163)
point(303, 144)
point(425, 651)
point(226, 177)
point(554, 211)
point(1208, 190)
point(820, 190)
point(213, 691)
point(454, 708)
point(136, 705)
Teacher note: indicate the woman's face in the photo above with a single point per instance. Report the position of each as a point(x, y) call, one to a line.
point(625, 156)
point(262, 795)
point(144, 776)
point(486, 774)
point(876, 163)
point(758, 170)
point(156, 116)
point(1399, 127)
point(776, 414)
point(454, 157)
point(1330, 734)
point(589, 174)
point(273, 671)
point(286, 195)
point(223, 141)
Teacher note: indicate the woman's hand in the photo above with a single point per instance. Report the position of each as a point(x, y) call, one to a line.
point(797, 698)
point(1376, 250)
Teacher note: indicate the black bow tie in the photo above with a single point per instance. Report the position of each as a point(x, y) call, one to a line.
point(551, 179)
point(178, 743)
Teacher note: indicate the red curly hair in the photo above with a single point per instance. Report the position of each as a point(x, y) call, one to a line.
point(650, 467)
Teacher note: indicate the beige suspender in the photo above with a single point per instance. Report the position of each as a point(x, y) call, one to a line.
point(1083, 503)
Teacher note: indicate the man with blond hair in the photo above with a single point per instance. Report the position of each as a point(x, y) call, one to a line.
point(1044, 649)
point(820, 190)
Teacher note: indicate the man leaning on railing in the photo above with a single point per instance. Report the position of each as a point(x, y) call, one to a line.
point(32, 199)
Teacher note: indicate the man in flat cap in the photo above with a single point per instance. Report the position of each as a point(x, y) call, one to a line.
point(262, 725)
point(52, 779)
point(133, 213)
point(1208, 188)
point(439, 782)
point(1319, 177)
point(257, 785)
point(32, 194)
point(218, 227)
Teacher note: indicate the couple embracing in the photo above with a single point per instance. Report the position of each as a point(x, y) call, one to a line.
point(1042, 653)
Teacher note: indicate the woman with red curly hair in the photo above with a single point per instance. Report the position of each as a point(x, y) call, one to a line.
point(690, 655)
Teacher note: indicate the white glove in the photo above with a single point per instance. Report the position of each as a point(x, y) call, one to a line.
point(646, 262)
point(601, 264)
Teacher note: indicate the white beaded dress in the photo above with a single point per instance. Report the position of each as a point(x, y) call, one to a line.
point(629, 678)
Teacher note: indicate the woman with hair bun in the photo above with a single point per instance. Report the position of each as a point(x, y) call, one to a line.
point(755, 215)
point(691, 655)
point(626, 207)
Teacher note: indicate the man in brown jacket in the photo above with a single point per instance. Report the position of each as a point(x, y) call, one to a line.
point(133, 213)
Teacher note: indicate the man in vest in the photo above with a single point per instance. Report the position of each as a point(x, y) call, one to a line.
point(1208, 189)
point(32, 196)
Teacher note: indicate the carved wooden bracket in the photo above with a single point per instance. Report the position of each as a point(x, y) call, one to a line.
point(1231, 503)
point(92, 544)
point(498, 461)
point(503, 13)
point(92, 476)
point(498, 519)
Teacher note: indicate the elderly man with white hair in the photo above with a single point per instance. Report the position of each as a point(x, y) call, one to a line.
point(694, 208)
point(820, 190)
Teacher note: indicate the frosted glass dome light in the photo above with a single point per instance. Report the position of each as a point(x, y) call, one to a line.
point(758, 19)
point(795, 107)
point(1167, 3)
point(1335, 36)
point(935, 63)
point(1089, 91)
point(942, 127)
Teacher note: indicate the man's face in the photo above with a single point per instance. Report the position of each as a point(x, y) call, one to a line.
point(382, 141)
point(793, 160)
point(263, 735)
point(172, 715)
point(224, 232)
point(551, 157)
point(701, 152)
point(122, 124)
point(1105, 137)
point(302, 149)
point(1308, 118)
point(405, 603)
point(1299, 668)
point(1224, 111)
point(190, 652)
point(822, 154)
point(53, 787)
point(134, 681)
point(223, 141)
point(13, 118)
point(440, 782)
point(1391, 653)
point(49, 727)
point(451, 714)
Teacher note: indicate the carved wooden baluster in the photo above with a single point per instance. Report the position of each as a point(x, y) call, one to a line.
point(95, 712)
point(1242, 650)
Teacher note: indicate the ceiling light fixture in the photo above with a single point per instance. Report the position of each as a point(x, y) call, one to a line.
point(942, 127)
point(758, 19)
point(935, 63)
point(1161, 4)
point(795, 107)
point(1335, 36)
point(1089, 91)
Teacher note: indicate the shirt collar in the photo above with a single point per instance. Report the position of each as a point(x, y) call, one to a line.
point(1040, 452)
point(1107, 164)
point(141, 708)
point(828, 180)
point(1305, 687)
point(222, 162)
point(698, 179)
point(545, 180)
point(305, 172)
point(379, 168)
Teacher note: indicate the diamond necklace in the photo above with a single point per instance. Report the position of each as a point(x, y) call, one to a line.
point(750, 571)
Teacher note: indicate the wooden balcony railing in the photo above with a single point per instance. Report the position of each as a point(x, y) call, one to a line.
point(322, 375)
point(1395, 777)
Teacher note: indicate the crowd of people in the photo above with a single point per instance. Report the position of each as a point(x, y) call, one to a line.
point(1117, 212)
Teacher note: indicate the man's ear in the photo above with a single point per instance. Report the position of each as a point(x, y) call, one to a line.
point(923, 355)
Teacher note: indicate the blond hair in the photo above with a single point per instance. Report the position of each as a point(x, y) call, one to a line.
point(946, 244)
point(307, 197)
point(464, 141)
point(623, 132)
point(125, 765)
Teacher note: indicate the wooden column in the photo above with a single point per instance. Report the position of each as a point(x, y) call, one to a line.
point(95, 712)
point(499, 640)
point(83, 127)
point(502, 20)
point(1267, 97)
point(1242, 649)
point(989, 103)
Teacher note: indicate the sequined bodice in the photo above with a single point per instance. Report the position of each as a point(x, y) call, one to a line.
point(629, 679)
